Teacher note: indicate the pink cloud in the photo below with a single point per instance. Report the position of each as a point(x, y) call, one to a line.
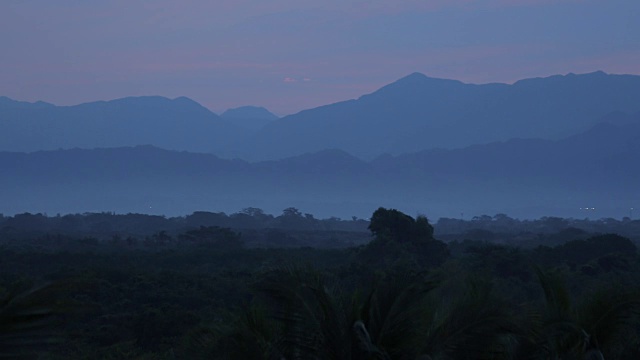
point(289, 80)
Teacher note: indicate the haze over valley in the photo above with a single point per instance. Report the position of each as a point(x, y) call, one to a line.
point(547, 146)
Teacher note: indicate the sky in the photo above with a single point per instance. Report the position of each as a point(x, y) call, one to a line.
point(290, 55)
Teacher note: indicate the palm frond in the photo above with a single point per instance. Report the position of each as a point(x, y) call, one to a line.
point(608, 314)
point(393, 313)
point(476, 326)
point(364, 345)
point(27, 321)
point(555, 332)
point(313, 319)
point(558, 301)
point(600, 324)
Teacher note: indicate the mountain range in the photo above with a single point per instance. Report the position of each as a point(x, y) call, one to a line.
point(597, 168)
point(178, 124)
point(412, 114)
point(418, 112)
point(545, 146)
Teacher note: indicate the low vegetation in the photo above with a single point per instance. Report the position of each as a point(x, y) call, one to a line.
point(256, 286)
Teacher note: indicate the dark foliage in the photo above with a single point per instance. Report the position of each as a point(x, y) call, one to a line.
point(200, 292)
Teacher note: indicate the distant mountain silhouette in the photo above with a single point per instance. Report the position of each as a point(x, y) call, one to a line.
point(583, 157)
point(249, 117)
point(521, 177)
point(412, 114)
point(179, 124)
point(418, 112)
point(9, 103)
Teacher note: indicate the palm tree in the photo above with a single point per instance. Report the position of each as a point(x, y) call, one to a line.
point(27, 321)
point(602, 325)
point(475, 325)
point(312, 317)
point(318, 321)
point(393, 315)
point(252, 336)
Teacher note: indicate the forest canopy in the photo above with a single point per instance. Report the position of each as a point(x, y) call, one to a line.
point(252, 285)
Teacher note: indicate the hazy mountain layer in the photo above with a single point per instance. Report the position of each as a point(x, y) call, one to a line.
point(179, 124)
point(413, 114)
point(418, 112)
point(526, 178)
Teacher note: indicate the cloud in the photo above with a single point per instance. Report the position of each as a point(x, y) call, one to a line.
point(289, 80)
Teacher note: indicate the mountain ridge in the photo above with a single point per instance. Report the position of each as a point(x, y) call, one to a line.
point(522, 177)
point(414, 113)
point(177, 124)
point(419, 112)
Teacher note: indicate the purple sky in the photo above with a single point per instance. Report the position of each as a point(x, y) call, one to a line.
point(289, 55)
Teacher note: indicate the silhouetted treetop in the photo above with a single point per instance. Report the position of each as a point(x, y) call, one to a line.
point(395, 225)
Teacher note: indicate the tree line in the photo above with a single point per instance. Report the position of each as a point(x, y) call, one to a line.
point(405, 294)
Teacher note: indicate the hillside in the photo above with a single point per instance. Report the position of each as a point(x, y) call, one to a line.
point(413, 114)
point(418, 112)
point(178, 124)
point(524, 177)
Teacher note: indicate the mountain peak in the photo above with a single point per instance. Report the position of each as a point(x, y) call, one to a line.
point(414, 83)
point(251, 118)
point(186, 101)
point(24, 104)
point(419, 78)
point(249, 112)
point(597, 73)
point(414, 75)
